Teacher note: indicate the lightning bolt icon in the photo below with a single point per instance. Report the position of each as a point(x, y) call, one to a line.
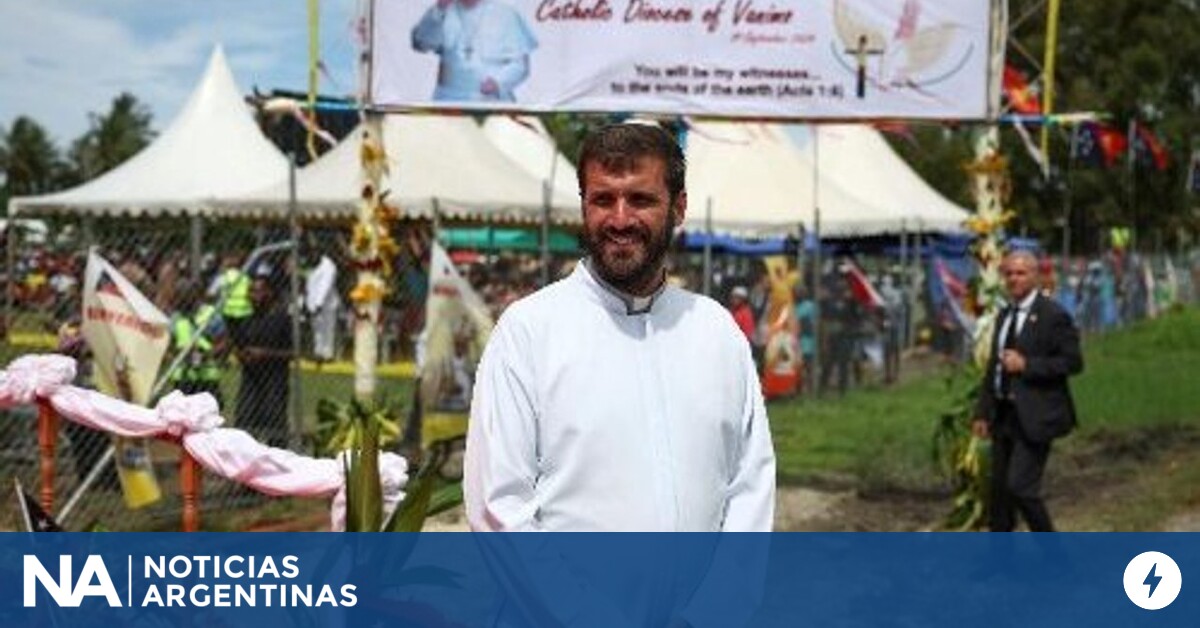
point(1152, 580)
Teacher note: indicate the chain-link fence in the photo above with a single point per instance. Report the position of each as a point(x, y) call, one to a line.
point(269, 343)
point(924, 291)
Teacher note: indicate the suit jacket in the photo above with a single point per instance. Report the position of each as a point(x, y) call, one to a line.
point(1049, 341)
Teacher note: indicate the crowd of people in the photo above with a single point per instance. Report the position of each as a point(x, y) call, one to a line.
point(222, 316)
point(858, 331)
point(1119, 287)
point(859, 340)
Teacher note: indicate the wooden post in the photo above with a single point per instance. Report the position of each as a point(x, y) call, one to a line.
point(189, 486)
point(47, 437)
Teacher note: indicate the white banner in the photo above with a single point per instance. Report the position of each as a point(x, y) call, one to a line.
point(457, 325)
point(128, 335)
point(747, 58)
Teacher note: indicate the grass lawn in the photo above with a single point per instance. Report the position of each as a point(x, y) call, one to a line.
point(1136, 380)
point(1134, 462)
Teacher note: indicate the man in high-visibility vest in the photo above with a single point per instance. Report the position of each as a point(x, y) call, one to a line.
point(197, 325)
point(232, 287)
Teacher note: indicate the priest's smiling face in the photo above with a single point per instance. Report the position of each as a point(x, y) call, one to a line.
point(628, 219)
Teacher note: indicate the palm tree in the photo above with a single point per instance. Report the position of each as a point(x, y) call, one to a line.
point(29, 160)
point(112, 137)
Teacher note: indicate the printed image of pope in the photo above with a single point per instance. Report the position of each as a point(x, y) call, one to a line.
point(484, 47)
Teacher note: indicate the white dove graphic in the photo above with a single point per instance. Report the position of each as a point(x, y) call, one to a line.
point(913, 57)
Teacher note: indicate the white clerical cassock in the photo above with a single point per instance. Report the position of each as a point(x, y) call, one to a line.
point(596, 412)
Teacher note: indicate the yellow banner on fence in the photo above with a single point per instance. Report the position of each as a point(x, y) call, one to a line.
point(128, 337)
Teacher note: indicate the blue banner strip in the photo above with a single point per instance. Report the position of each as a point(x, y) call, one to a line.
point(447, 580)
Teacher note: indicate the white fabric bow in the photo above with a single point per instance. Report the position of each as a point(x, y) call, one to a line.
point(30, 377)
point(186, 414)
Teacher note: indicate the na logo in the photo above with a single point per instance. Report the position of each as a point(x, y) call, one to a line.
point(93, 581)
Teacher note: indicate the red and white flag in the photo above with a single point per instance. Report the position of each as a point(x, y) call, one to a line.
point(864, 292)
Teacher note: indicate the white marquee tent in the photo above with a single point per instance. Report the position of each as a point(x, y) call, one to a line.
point(212, 151)
point(442, 162)
point(757, 184)
point(857, 157)
point(761, 182)
point(525, 141)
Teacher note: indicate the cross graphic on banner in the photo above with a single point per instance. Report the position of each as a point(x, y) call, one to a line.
point(861, 53)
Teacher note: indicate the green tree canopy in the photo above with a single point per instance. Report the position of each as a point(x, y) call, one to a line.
point(29, 160)
point(1126, 60)
point(112, 137)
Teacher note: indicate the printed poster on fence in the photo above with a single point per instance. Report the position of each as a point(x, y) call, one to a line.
point(128, 337)
point(750, 58)
point(457, 325)
point(781, 355)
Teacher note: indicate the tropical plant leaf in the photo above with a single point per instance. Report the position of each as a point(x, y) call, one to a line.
point(411, 513)
point(959, 454)
point(445, 498)
point(350, 470)
point(370, 488)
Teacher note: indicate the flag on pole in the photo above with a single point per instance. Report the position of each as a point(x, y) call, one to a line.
point(860, 287)
point(1145, 148)
point(1098, 144)
point(1021, 96)
point(952, 292)
point(1035, 153)
point(128, 336)
point(457, 325)
point(35, 518)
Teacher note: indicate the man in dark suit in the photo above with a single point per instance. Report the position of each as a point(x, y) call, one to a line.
point(1024, 402)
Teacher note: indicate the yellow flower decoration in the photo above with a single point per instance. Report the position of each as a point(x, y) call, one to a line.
point(366, 292)
point(385, 213)
point(387, 247)
point(360, 239)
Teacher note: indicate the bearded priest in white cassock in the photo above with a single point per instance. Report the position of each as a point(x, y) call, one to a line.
point(610, 400)
point(484, 47)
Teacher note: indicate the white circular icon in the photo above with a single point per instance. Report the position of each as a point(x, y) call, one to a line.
point(1152, 580)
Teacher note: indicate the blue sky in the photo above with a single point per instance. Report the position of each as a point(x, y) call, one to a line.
point(63, 59)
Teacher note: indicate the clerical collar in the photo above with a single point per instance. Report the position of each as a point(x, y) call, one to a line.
point(633, 304)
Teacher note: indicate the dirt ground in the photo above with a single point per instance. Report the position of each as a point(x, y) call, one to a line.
point(1090, 484)
point(1088, 481)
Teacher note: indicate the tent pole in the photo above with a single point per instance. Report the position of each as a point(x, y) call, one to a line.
point(1066, 252)
point(915, 279)
point(903, 267)
point(196, 245)
point(816, 288)
point(89, 232)
point(296, 308)
point(10, 262)
point(708, 232)
point(800, 237)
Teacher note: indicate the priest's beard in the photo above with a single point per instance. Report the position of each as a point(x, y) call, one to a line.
point(630, 259)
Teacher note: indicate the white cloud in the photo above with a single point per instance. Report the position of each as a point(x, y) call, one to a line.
point(62, 59)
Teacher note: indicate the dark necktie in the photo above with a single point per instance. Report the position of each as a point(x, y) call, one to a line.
point(1010, 339)
point(1010, 342)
